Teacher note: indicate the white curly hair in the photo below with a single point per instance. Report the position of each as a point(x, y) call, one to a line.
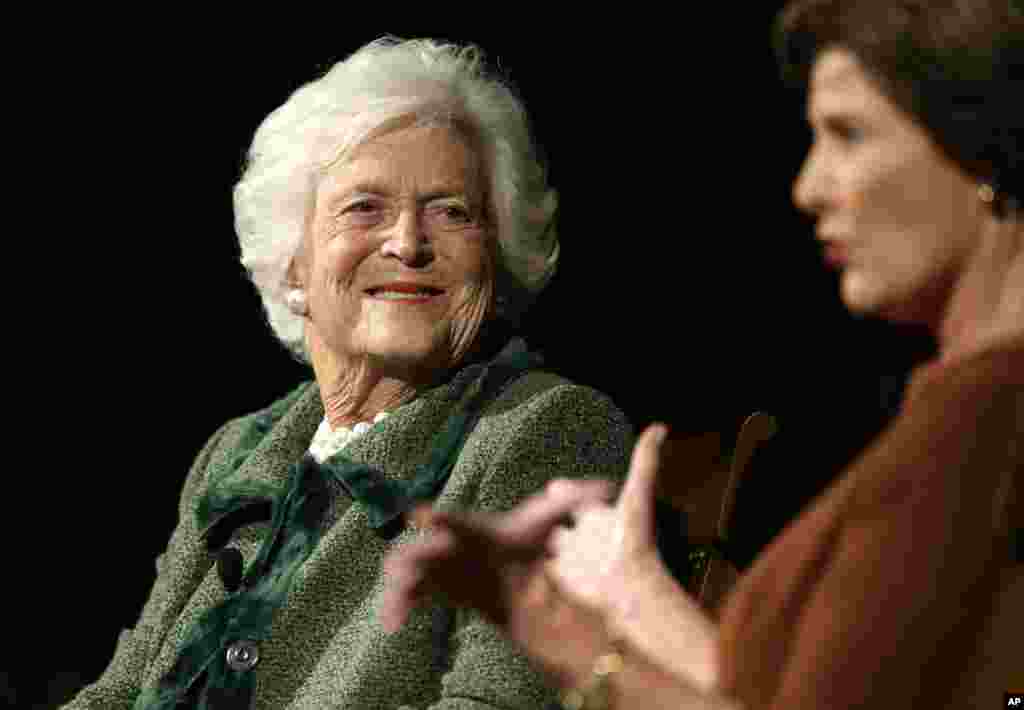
point(388, 81)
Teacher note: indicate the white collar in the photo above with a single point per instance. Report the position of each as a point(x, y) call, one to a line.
point(328, 441)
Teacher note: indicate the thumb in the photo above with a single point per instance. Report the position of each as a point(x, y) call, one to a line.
point(636, 502)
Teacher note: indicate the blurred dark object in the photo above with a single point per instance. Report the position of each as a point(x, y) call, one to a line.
point(39, 691)
point(8, 696)
point(815, 444)
point(62, 687)
point(720, 505)
point(695, 517)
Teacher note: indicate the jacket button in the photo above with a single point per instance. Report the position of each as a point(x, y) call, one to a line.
point(243, 656)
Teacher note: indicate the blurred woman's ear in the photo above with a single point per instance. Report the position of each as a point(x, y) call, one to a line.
point(1004, 207)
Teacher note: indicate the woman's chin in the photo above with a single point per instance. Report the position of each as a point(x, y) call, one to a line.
point(865, 298)
point(862, 294)
point(409, 358)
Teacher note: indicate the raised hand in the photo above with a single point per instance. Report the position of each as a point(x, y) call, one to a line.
point(611, 548)
point(557, 591)
point(608, 563)
point(496, 564)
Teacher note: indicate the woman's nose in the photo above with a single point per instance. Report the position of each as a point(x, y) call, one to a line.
point(407, 241)
point(809, 188)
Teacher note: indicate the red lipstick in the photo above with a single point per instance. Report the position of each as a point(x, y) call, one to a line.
point(426, 293)
point(836, 255)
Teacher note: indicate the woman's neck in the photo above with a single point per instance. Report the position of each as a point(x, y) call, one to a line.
point(357, 392)
point(987, 303)
point(355, 389)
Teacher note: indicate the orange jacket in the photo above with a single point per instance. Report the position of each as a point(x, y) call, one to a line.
point(895, 588)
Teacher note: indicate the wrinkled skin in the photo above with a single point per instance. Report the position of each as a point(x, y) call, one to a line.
point(406, 206)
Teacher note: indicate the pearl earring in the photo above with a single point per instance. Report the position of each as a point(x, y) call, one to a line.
point(986, 193)
point(296, 301)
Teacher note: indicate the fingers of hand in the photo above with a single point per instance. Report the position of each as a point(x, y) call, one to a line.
point(579, 491)
point(576, 579)
point(530, 523)
point(423, 516)
point(481, 547)
point(413, 572)
point(538, 591)
point(585, 559)
point(557, 541)
point(599, 522)
point(418, 562)
point(399, 597)
point(637, 500)
point(470, 531)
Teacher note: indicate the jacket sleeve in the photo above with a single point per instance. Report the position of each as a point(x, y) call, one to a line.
point(568, 431)
point(179, 569)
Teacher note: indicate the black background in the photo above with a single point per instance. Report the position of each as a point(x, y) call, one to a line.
point(689, 289)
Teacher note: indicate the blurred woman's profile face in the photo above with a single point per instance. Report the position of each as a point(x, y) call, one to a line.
point(397, 264)
point(898, 218)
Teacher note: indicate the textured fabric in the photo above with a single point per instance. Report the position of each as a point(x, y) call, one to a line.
point(896, 588)
point(324, 647)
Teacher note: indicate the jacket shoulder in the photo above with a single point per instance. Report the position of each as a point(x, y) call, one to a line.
point(545, 394)
point(229, 441)
point(540, 427)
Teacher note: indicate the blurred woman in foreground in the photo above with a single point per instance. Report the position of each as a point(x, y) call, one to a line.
point(902, 584)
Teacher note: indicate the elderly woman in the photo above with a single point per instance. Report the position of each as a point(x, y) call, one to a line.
point(396, 221)
point(902, 585)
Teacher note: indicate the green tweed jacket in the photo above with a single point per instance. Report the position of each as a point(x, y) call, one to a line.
point(325, 647)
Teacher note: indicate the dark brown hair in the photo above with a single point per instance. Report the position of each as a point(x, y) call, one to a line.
point(956, 66)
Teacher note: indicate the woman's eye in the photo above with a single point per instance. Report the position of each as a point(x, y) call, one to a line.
point(453, 213)
point(456, 213)
point(364, 206)
point(846, 132)
point(851, 134)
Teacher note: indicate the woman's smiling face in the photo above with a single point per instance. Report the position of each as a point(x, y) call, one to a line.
point(398, 265)
point(898, 218)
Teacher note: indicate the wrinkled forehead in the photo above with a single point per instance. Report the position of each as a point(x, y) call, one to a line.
point(417, 157)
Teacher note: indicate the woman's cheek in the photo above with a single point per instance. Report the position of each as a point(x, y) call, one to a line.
point(467, 318)
point(343, 258)
point(851, 201)
point(856, 186)
point(867, 182)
